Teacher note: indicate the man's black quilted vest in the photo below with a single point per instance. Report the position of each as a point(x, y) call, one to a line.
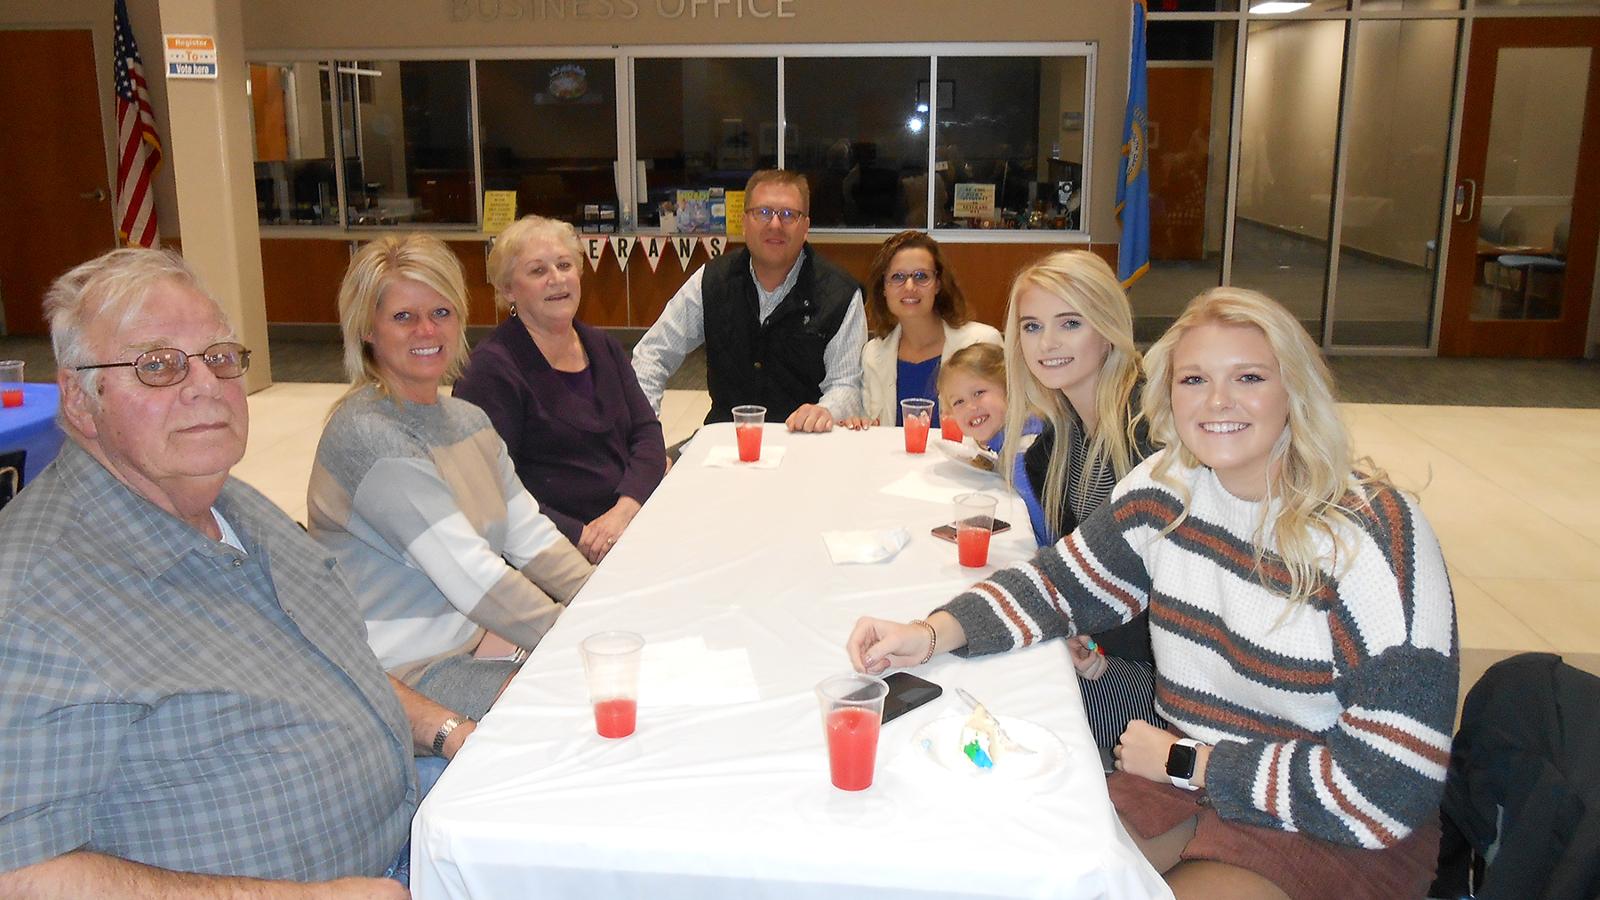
point(777, 364)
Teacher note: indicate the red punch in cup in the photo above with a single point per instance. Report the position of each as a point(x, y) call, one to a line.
point(974, 524)
point(949, 429)
point(611, 666)
point(852, 712)
point(916, 417)
point(748, 423)
point(10, 382)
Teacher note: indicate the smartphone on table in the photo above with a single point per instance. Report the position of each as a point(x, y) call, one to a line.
point(907, 692)
point(948, 532)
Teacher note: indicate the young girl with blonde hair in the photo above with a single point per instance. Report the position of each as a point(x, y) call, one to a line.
point(972, 389)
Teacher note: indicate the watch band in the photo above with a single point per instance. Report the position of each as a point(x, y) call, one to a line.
point(449, 725)
point(1182, 781)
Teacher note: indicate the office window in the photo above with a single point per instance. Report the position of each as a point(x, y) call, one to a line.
point(700, 124)
point(1011, 141)
point(408, 142)
point(421, 140)
point(291, 114)
point(855, 132)
point(550, 134)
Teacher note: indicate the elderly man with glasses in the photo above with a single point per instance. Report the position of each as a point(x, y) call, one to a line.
point(188, 706)
point(783, 328)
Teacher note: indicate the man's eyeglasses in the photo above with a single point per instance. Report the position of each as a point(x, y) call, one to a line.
point(921, 278)
point(765, 214)
point(167, 366)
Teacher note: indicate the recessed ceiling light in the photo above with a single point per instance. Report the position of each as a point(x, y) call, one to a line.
point(1273, 7)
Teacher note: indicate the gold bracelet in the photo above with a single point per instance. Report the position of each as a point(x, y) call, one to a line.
point(933, 638)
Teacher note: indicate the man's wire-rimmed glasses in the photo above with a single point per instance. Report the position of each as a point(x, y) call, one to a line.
point(167, 366)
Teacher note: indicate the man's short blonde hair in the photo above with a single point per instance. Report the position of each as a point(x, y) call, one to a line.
point(780, 178)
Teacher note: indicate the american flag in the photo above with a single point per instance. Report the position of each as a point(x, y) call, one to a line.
point(138, 147)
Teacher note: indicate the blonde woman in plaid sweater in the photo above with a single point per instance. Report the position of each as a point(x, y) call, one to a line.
point(1301, 619)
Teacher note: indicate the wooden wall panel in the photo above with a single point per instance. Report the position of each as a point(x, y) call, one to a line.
point(605, 293)
point(1180, 159)
point(480, 294)
point(300, 278)
point(268, 114)
point(648, 292)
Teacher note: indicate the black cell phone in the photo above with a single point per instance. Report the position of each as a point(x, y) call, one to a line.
point(948, 532)
point(907, 692)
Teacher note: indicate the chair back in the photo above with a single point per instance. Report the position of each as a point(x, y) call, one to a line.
point(11, 469)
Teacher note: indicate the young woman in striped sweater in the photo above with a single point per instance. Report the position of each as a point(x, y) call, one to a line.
point(1301, 619)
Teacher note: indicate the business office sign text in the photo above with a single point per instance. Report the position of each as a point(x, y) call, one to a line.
point(616, 10)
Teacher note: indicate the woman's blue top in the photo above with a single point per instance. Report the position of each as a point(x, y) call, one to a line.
point(916, 379)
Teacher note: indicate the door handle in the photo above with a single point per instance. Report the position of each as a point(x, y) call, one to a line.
point(1466, 203)
point(98, 195)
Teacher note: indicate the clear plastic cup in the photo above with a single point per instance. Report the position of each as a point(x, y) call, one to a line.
point(852, 714)
point(974, 521)
point(611, 666)
point(916, 417)
point(11, 382)
point(748, 423)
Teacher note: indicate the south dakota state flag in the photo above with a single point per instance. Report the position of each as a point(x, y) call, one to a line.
point(1133, 181)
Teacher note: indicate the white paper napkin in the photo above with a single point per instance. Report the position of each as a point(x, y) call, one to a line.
point(727, 457)
point(685, 672)
point(846, 547)
point(940, 485)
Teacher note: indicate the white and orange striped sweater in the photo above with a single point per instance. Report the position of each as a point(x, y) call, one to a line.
point(1331, 719)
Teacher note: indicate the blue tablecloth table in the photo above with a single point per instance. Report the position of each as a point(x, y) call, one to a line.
point(32, 427)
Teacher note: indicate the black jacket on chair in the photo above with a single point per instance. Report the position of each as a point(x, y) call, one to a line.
point(1525, 771)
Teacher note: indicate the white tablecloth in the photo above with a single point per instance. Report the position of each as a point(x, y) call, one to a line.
point(723, 790)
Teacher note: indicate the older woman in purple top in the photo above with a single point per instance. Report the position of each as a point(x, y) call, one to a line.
point(562, 394)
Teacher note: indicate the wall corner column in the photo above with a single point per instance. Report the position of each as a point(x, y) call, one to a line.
point(211, 150)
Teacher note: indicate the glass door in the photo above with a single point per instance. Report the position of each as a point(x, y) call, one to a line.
point(1526, 206)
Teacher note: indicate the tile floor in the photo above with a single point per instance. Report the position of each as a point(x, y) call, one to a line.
point(1513, 493)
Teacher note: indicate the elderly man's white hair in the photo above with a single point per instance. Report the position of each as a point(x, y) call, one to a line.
point(118, 284)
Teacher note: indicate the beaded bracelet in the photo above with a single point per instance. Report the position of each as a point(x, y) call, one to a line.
point(933, 638)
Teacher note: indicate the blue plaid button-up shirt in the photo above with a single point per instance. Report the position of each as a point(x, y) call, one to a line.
point(167, 699)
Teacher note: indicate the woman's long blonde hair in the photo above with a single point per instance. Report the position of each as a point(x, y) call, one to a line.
point(1315, 484)
point(410, 257)
point(1088, 285)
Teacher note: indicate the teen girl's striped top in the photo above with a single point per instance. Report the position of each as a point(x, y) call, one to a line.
point(1331, 717)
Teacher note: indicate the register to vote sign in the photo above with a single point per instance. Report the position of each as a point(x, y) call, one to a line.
point(191, 55)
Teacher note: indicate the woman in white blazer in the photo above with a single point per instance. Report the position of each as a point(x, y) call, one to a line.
point(917, 317)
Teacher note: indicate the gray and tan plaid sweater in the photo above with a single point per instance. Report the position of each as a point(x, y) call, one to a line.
point(423, 510)
point(1331, 719)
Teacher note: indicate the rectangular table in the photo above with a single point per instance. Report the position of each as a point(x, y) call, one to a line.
point(725, 792)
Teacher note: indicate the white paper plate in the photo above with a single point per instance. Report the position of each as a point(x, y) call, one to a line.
point(939, 741)
point(968, 453)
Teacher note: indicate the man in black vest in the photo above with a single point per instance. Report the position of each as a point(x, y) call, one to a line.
point(783, 328)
